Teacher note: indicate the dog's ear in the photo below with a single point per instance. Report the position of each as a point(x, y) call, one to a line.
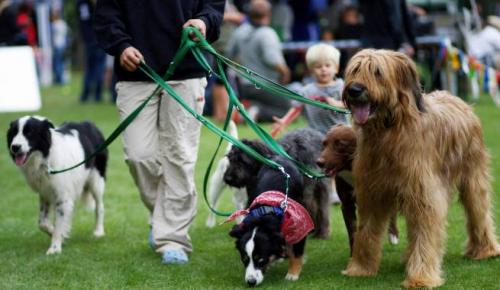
point(237, 231)
point(48, 124)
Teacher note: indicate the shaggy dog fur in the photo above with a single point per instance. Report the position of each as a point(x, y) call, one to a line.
point(413, 151)
point(303, 145)
point(336, 159)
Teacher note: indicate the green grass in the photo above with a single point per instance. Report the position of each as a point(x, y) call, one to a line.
point(122, 259)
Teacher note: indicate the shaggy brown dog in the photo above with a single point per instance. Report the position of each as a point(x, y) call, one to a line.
point(336, 159)
point(413, 151)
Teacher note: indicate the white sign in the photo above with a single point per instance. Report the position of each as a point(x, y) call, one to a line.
point(19, 89)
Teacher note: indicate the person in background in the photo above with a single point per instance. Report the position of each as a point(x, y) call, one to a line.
point(220, 99)
point(95, 57)
point(10, 34)
point(257, 46)
point(349, 26)
point(387, 24)
point(161, 144)
point(323, 62)
point(26, 21)
point(59, 30)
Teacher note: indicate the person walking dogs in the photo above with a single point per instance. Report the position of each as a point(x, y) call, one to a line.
point(161, 145)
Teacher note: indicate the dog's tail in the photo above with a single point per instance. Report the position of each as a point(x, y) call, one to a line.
point(233, 131)
point(88, 200)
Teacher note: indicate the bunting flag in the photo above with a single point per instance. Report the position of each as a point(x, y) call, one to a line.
point(482, 77)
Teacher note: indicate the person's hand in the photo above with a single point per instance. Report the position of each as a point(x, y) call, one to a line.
point(130, 59)
point(335, 103)
point(285, 76)
point(407, 49)
point(198, 24)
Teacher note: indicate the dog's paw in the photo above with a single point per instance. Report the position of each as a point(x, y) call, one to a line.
point(355, 270)
point(480, 253)
point(393, 239)
point(210, 221)
point(291, 277)
point(54, 249)
point(99, 233)
point(422, 283)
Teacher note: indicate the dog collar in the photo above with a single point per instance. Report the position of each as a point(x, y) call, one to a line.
point(264, 210)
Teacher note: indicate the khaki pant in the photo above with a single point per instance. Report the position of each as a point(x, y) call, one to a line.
point(161, 147)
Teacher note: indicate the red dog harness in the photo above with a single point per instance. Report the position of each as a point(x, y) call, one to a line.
point(297, 222)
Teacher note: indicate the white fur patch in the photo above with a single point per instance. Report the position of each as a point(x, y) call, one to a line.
point(252, 274)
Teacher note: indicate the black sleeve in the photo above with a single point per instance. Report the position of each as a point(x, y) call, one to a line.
point(15, 34)
point(110, 27)
point(408, 25)
point(212, 12)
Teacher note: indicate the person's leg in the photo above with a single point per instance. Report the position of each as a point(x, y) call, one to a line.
point(87, 75)
point(175, 206)
point(140, 139)
point(99, 69)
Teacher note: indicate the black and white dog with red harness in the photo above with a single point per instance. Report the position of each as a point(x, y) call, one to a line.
point(270, 229)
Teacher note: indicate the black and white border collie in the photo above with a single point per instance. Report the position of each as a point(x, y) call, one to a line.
point(36, 147)
point(260, 237)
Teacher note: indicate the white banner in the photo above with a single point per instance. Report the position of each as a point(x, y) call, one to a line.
point(19, 89)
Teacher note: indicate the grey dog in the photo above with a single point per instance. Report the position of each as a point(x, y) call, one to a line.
point(305, 146)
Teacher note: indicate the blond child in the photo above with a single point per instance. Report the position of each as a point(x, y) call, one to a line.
point(323, 62)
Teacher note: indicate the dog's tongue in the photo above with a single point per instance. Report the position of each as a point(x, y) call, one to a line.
point(361, 113)
point(20, 159)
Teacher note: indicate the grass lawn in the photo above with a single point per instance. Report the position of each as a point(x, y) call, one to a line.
point(123, 259)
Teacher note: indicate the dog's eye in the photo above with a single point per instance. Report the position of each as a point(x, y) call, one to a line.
point(245, 259)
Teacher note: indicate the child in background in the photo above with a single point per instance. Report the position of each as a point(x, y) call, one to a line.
point(323, 62)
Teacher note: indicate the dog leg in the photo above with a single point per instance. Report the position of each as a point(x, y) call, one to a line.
point(215, 189)
point(348, 206)
point(43, 220)
point(63, 214)
point(240, 199)
point(393, 230)
point(373, 219)
point(98, 194)
point(295, 262)
point(426, 223)
point(475, 197)
point(322, 197)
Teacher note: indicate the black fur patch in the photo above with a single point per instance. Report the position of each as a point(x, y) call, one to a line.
point(90, 137)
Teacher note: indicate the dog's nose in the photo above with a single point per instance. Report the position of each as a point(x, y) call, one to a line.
point(320, 162)
point(355, 90)
point(251, 281)
point(14, 148)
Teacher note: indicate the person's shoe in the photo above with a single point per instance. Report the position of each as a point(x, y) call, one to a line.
point(174, 257)
point(151, 241)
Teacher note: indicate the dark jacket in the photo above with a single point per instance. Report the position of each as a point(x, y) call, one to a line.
point(154, 27)
point(387, 24)
point(9, 32)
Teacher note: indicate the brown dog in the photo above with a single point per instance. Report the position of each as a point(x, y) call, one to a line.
point(336, 159)
point(413, 152)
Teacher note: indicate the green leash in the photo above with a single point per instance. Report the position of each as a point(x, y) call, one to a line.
point(258, 80)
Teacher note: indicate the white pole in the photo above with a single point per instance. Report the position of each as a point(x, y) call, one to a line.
point(44, 42)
